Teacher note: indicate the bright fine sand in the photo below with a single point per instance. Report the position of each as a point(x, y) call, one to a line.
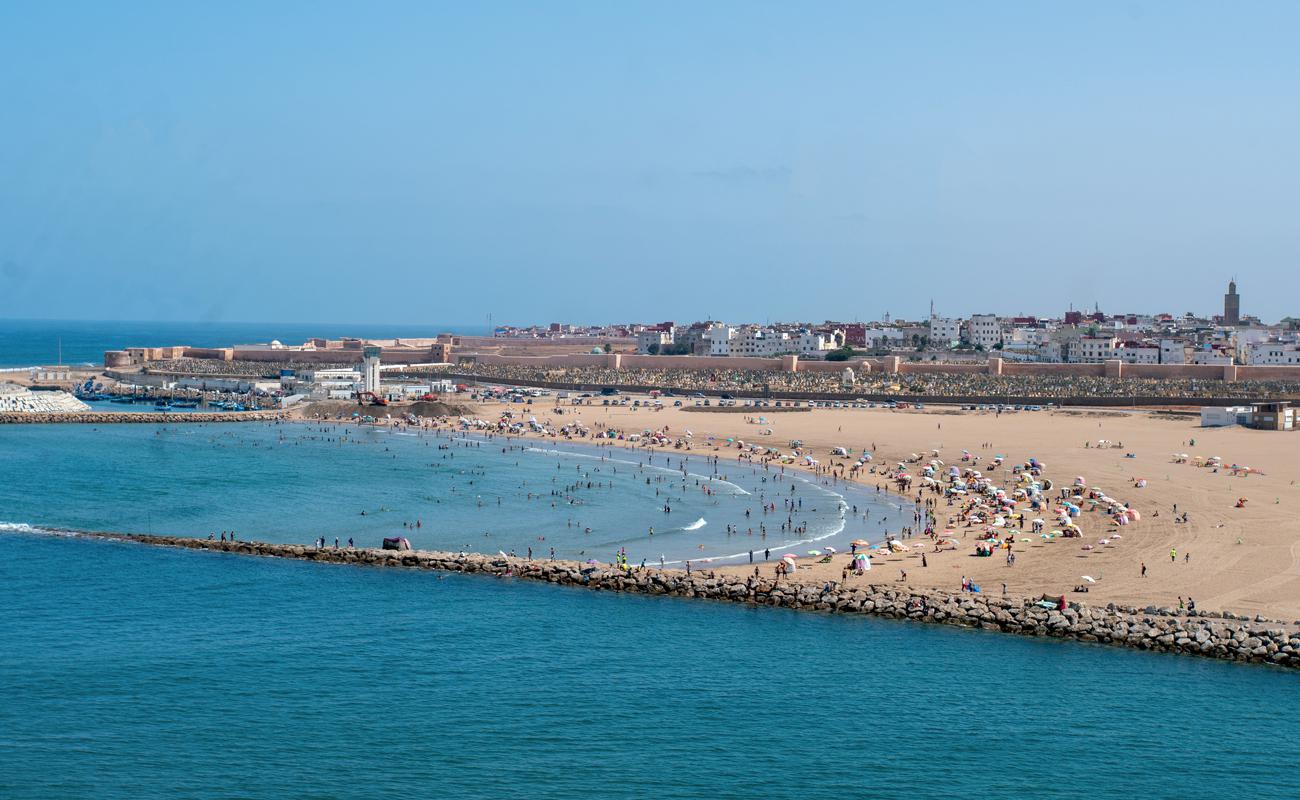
point(1243, 560)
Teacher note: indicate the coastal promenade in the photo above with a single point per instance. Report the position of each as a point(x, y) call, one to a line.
point(110, 417)
point(1205, 633)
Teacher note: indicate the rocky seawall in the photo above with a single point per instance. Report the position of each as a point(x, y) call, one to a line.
point(108, 417)
point(1222, 636)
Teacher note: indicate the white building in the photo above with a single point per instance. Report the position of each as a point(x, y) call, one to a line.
point(760, 343)
point(719, 340)
point(1211, 356)
point(1272, 353)
point(1096, 349)
point(334, 384)
point(1173, 351)
point(945, 332)
point(648, 341)
point(1222, 416)
point(984, 330)
point(1135, 353)
point(808, 342)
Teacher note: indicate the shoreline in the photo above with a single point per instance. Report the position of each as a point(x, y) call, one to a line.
point(1203, 634)
point(1246, 560)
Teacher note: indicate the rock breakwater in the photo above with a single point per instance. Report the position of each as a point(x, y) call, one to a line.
point(109, 417)
point(1222, 636)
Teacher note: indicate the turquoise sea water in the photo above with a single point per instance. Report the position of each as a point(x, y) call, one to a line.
point(135, 672)
point(295, 482)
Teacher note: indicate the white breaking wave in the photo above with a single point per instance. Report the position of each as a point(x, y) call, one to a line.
point(23, 527)
point(696, 525)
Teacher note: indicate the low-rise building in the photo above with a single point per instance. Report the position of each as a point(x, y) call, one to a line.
point(984, 330)
point(1272, 353)
point(1138, 353)
point(1096, 349)
point(651, 341)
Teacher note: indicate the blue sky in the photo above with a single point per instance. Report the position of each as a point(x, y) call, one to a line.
point(436, 162)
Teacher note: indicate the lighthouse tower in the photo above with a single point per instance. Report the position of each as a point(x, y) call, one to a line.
point(370, 369)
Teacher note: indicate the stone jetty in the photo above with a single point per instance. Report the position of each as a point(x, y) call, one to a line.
point(109, 417)
point(1211, 634)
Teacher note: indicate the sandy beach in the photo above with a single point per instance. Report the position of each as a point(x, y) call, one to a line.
point(1227, 558)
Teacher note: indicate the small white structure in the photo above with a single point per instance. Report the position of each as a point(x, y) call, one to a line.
point(1223, 416)
point(848, 378)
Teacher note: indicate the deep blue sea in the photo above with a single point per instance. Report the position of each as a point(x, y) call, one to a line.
point(28, 342)
point(131, 672)
point(138, 672)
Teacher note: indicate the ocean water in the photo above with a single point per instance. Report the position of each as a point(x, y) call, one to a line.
point(295, 482)
point(28, 342)
point(132, 672)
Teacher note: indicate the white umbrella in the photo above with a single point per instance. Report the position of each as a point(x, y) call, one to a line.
point(1089, 579)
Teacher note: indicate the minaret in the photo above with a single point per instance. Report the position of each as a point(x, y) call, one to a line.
point(1232, 305)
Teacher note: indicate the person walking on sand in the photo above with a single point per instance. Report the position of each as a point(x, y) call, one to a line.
point(1173, 554)
point(1144, 569)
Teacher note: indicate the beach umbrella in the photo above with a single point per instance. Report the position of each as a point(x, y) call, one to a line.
point(859, 543)
point(830, 549)
point(1089, 579)
point(789, 556)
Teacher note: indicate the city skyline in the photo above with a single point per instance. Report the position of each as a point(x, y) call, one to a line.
point(487, 323)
